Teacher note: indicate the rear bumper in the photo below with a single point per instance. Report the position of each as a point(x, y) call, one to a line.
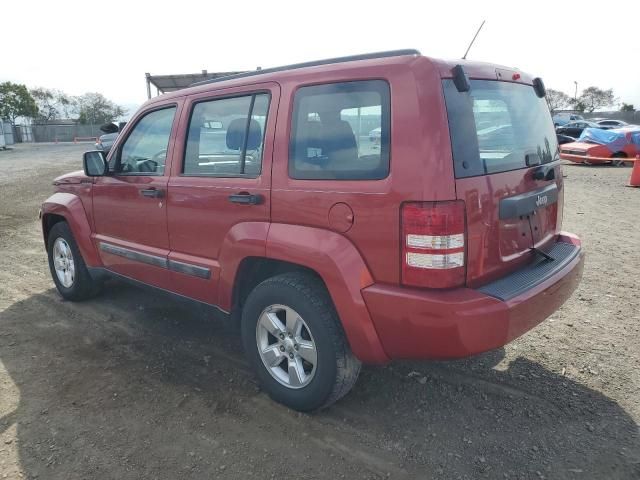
point(427, 324)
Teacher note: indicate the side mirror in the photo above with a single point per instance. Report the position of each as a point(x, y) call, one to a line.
point(95, 163)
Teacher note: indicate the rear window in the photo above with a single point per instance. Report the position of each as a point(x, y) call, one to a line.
point(498, 126)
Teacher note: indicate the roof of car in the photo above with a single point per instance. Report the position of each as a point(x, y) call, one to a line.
point(389, 58)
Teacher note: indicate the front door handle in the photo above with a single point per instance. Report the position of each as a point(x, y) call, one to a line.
point(152, 193)
point(246, 199)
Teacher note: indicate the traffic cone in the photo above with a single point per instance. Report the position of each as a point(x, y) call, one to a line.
point(634, 179)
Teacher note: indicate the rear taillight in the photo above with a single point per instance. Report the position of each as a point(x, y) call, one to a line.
point(433, 244)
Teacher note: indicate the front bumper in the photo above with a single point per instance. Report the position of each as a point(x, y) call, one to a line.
point(427, 324)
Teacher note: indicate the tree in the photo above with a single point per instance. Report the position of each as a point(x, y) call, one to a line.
point(593, 98)
point(16, 101)
point(627, 107)
point(94, 108)
point(557, 100)
point(52, 104)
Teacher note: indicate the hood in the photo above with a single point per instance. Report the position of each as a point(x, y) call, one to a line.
point(70, 178)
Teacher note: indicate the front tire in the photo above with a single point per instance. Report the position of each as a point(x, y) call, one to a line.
point(294, 340)
point(68, 270)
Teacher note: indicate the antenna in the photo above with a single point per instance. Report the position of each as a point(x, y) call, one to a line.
point(474, 39)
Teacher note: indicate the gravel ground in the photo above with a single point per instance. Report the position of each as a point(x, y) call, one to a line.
point(133, 386)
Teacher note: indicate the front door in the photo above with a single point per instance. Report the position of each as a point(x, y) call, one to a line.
point(219, 191)
point(129, 204)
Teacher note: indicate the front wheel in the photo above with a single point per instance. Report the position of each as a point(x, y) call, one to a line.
point(294, 340)
point(67, 266)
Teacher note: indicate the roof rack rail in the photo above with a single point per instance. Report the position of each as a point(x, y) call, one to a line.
point(351, 58)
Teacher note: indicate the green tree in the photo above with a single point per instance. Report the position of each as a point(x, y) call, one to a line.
point(557, 100)
point(52, 104)
point(16, 101)
point(94, 108)
point(627, 107)
point(593, 98)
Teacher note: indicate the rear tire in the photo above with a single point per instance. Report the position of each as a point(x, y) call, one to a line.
point(68, 270)
point(294, 341)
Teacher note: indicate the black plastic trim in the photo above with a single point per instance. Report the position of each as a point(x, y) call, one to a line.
point(189, 269)
point(134, 255)
point(534, 274)
point(156, 261)
point(528, 202)
point(460, 79)
point(538, 86)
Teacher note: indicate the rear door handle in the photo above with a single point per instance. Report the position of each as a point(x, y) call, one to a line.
point(246, 199)
point(152, 193)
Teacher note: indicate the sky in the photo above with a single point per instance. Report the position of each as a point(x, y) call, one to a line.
point(79, 46)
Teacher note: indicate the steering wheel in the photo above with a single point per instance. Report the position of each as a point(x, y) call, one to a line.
point(159, 155)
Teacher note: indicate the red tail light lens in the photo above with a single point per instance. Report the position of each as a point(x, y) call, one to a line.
point(433, 244)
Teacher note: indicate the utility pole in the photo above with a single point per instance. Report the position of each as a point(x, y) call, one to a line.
point(575, 94)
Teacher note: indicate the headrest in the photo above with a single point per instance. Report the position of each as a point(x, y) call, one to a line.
point(236, 131)
point(311, 134)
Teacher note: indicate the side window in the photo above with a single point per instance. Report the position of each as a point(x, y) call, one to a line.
point(226, 136)
point(145, 149)
point(341, 131)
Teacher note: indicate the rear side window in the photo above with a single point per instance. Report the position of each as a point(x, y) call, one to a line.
point(498, 126)
point(341, 131)
point(226, 136)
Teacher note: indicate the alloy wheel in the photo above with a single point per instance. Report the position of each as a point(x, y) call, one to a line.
point(286, 346)
point(63, 263)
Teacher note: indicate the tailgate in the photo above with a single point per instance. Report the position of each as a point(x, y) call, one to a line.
point(505, 156)
point(508, 214)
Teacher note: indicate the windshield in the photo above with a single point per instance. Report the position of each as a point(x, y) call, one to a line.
point(498, 126)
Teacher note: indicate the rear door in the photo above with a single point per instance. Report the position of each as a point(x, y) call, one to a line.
point(507, 171)
point(220, 186)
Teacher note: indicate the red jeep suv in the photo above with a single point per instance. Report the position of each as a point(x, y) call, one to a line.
point(359, 209)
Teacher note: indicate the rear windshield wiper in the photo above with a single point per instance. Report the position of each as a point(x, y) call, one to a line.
point(542, 254)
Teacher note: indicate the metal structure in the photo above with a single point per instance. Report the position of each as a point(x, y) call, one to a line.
point(171, 83)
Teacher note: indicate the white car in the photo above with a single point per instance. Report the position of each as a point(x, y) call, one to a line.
point(560, 119)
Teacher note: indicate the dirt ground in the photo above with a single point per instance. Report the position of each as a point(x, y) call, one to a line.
point(133, 386)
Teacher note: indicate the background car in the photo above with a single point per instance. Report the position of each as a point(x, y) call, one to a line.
point(598, 146)
point(562, 139)
point(608, 124)
point(105, 142)
point(575, 129)
point(560, 119)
